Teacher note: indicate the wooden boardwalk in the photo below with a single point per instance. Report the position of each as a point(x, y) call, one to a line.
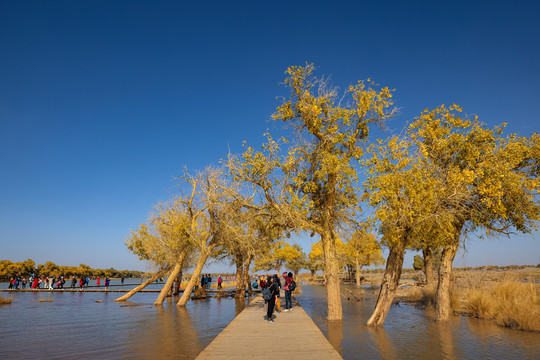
point(78, 290)
point(293, 335)
point(102, 289)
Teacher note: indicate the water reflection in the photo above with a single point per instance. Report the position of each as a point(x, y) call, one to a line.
point(383, 344)
point(335, 333)
point(240, 305)
point(74, 325)
point(411, 333)
point(446, 339)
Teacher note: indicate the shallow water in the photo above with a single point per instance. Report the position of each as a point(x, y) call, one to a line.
point(411, 333)
point(74, 325)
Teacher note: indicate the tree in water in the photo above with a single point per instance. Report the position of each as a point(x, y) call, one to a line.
point(362, 249)
point(316, 178)
point(208, 206)
point(452, 175)
point(403, 201)
point(163, 243)
point(315, 260)
point(489, 182)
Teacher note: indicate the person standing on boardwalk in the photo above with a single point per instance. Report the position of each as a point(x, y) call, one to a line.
point(288, 298)
point(107, 281)
point(98, 281)
point(278, 283)
point(203, 281)
point(219, 281)
point(274, 291)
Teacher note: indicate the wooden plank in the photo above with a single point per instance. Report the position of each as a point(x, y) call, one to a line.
point(293, 335)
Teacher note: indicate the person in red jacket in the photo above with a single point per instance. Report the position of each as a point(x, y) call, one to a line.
point(288, 297)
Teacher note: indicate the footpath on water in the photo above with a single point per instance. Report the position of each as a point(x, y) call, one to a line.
point(292, 335)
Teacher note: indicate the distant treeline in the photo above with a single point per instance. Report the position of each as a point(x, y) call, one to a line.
point(468, 268)
point(10, 269)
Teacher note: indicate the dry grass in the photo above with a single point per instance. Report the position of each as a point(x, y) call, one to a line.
point(424, 296)
point(5, 300)
point(510, 297)
point(510, 303)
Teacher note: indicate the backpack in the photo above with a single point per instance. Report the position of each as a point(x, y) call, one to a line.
point(292, 286)
point(266, 294)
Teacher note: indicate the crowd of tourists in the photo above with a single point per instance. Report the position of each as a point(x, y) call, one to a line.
point(52, 282)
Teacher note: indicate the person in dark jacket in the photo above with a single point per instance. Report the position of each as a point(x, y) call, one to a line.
point(274, 290)
point(278, 282)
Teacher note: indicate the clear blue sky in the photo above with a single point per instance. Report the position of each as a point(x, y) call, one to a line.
point(102, 103)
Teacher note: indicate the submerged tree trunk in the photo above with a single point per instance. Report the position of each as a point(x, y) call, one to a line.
point(193, 280)
point(172, 276)
point(140, 287)
point(389, 284)
point(428, 265)
point(358, 272)
point(443, 306)
point(167, 287)
point(331, 276)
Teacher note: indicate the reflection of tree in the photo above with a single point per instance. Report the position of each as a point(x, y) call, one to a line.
point(446, 340)
point(384, 345)
point(239, 305)
point(170, 334)
point(335, 334)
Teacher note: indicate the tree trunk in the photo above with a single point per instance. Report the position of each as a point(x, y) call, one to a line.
point(172, 276)
point(428, 265)
point(442, 307)
point(313, 274)
point(176, 291)
point(140, 287)
point(240, 286)
point(167, 287)
point(331, 276)
point(389, 284)
point(247, 278)
point(358, 272)
point(193, 280)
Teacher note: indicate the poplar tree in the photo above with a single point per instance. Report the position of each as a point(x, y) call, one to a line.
point(451, 176)
point(315, 182)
